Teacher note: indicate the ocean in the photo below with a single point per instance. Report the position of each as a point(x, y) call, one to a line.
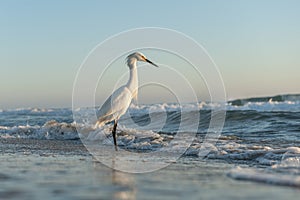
point(257, 154)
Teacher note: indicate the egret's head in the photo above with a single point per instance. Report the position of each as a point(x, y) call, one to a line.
point(137, 56)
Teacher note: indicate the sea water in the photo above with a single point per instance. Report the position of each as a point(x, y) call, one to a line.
point(260, 139)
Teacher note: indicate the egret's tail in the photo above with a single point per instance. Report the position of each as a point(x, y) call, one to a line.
point(98, 124)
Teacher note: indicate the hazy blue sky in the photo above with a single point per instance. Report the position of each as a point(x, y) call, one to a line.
point(255, 43)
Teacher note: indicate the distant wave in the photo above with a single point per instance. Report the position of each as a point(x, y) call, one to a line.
point(289, 102)
point(277, 98)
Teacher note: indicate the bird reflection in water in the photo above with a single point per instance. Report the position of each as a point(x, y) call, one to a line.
point(123, 185)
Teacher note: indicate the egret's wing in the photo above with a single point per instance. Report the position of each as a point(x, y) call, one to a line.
point(135, 95)
point(115, 105)
point(105, 109)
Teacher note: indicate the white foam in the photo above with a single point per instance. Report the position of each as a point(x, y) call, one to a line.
point(130, 138)
point(290, 161)
point(292, 106)
point(280, 166)
point(295, 150)
point(41, 110)
point(50, 130)
point(264, 177)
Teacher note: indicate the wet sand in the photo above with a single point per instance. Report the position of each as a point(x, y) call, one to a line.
point(52, 169)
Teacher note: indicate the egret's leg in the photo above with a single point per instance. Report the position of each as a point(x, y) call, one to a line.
point(114, 133)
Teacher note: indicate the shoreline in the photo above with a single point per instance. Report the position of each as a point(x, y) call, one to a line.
point(35, 169)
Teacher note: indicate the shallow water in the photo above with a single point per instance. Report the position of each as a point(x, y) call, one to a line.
point(56, 174)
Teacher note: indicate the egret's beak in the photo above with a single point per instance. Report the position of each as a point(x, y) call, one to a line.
point(151, 62)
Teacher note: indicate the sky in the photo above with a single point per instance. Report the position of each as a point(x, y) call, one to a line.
point(255, 44)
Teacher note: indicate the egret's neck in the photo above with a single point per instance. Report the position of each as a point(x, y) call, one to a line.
point(132, 83)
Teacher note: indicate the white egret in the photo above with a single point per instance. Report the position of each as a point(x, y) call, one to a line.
point(117, 104)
